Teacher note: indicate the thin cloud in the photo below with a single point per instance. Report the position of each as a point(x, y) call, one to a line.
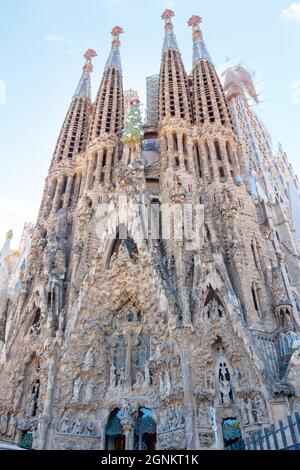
point(296, 92)
point(292, 13)
point(75, 50)
point(55, 38)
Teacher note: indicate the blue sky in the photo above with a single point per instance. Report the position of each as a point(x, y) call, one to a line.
point(41, 48)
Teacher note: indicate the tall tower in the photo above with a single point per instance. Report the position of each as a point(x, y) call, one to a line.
point(175, 111)
point(120, 340)
point(104, 149)
point(217, 156)
point(63, 183)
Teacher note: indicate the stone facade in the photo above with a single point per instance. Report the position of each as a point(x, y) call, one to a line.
point(149, 341)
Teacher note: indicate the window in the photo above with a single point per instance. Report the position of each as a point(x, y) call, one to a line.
point(175, 143)
point(218, 151)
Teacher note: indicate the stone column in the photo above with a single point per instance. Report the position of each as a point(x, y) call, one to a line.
point(67, 196)
point(57, 196)
point(47, 411)
point(88, 172)
point(129, 434)
point(225, 160)
point(76, 188)
point(204, 162)
point(108, 167)
point(99, 165)
point(163, 151)
point(213, 160)
point(180, 150)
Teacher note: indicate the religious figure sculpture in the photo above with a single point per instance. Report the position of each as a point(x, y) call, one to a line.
point(64, 424)
point(3, 424)
point(78, 383)
point(77, 427)
point(89, 359)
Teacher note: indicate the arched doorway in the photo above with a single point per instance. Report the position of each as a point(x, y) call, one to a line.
point(144, 430)
point(231, 430)
point(114, 435)
point(26, 440)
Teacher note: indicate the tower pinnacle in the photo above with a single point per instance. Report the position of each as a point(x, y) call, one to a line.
point(114, 59)
point(170, 41)
point(84, 86)
point(200, 51)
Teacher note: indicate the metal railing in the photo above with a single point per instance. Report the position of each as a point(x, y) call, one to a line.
point(286, 437)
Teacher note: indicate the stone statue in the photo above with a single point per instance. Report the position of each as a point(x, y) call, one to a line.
point(112, 378)
point(147, 375)
point(77, 427)
point(126, 410)
point(225, 389)
point(204, 416)
point(61, 320)
point(12, 426)
point(121, 379)
point(247, 411)
point(89, 359)
point(64, 424)
point(91, 429)
point(3, 424)
point(18, 396)
point(165, 386)
point(210, 380)
point(89, 391)
point(33, 400)
point(261, 408)
point(78, 383)
point(168, 386)
point(139, 379)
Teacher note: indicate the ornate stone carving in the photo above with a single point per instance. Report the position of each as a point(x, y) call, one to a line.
point(206, 439)
point(77, 387)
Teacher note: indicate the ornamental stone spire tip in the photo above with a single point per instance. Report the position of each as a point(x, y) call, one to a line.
point(200, 51)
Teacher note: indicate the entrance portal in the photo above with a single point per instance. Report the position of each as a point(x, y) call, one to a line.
point(114, 435)
point(144, 430)
point(231, 430)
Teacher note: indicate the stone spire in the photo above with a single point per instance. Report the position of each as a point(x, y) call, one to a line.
point(210, 104)
point(174, 95)
point(109, 104)
point(114, 58)
point(200, 51)
point(72, 138)
point(84, 86)
point(170, 41)
point(218, 156)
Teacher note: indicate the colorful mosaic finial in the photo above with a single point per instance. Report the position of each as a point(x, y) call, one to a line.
point(200, 52)
point(84, 86)
point(195, 20)
point(170, 39)
point(114, 59)
point(90, 54)
point(117, 31)
point(167, 14)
